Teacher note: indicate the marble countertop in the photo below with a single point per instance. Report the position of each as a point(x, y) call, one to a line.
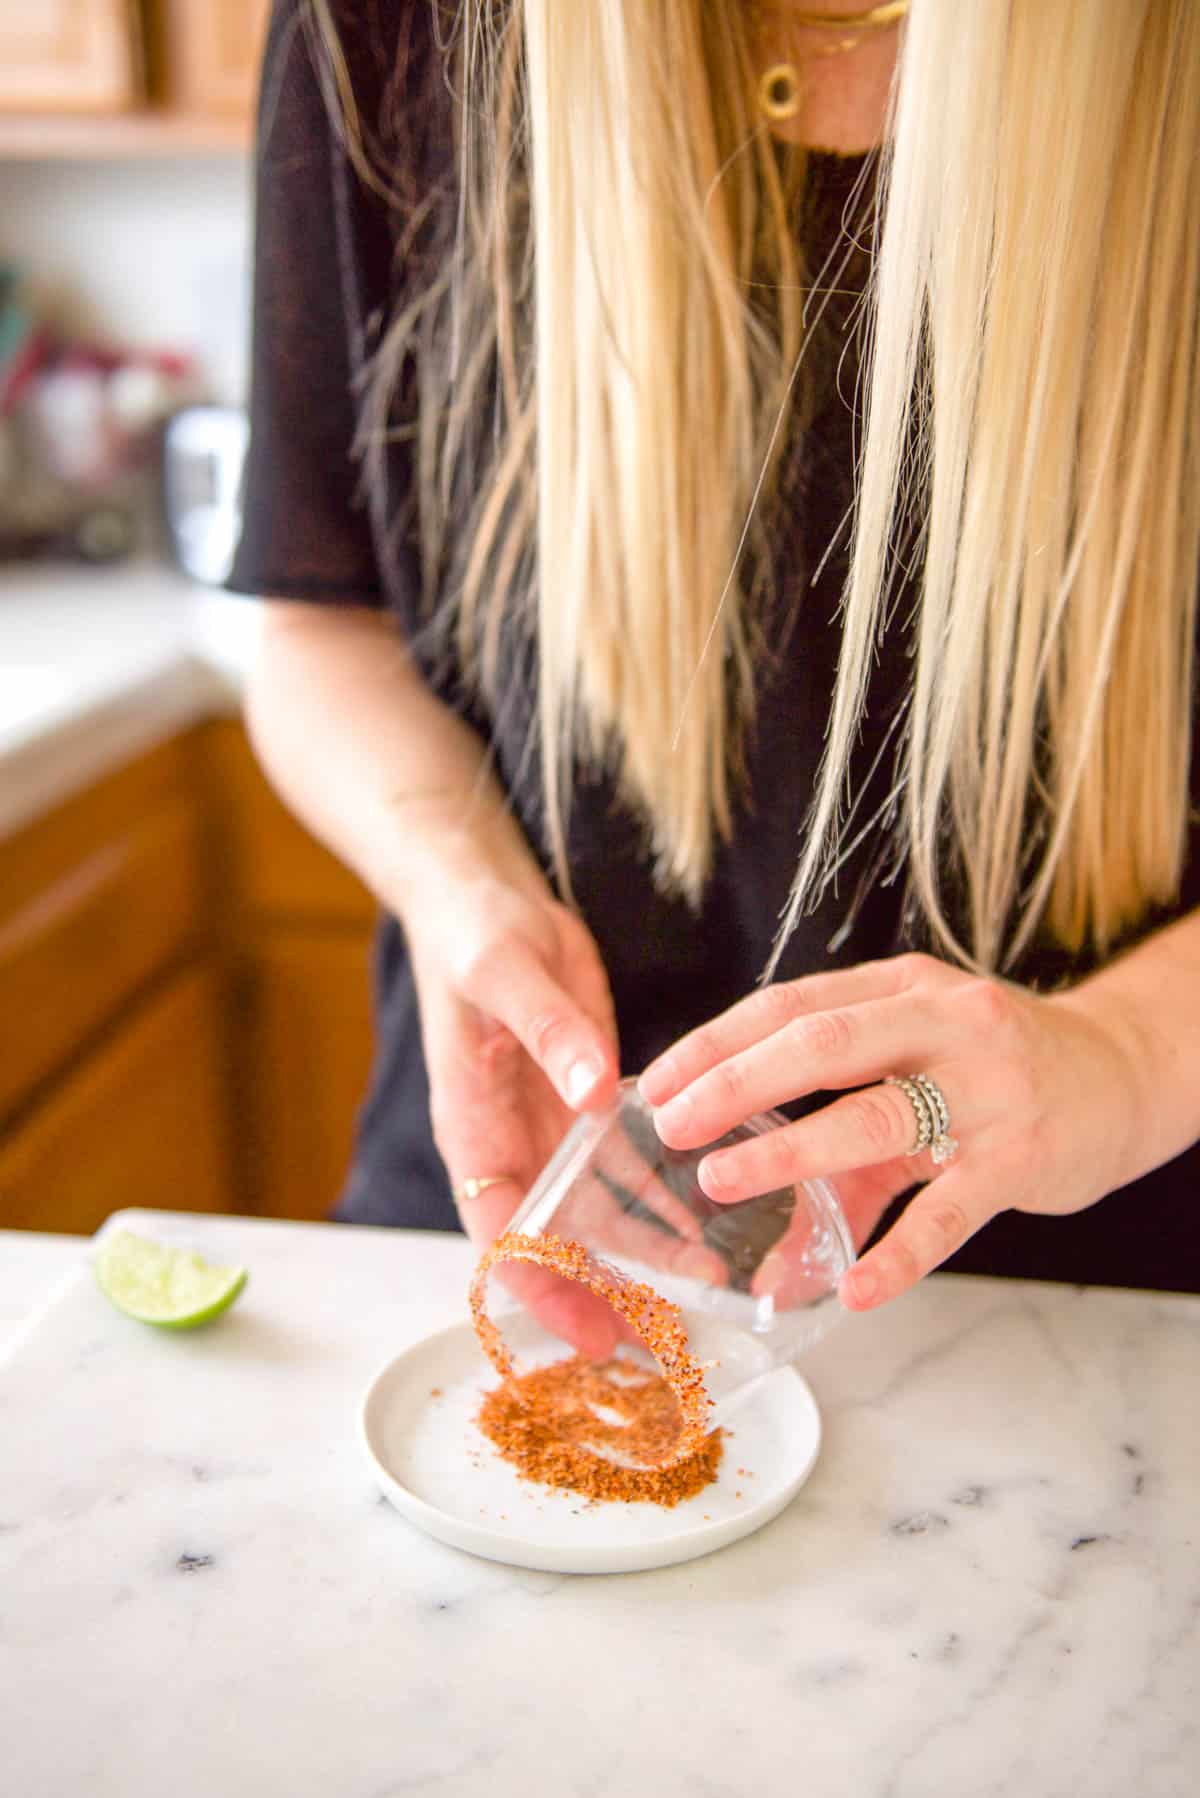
point(97, 665)
point(990, 1585)
point(30, 1266)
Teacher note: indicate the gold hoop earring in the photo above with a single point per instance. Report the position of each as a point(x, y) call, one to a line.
point(779, 92)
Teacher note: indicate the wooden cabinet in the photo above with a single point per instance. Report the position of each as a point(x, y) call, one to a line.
point(114, 1027)
point(127, 908)
point(304, 1032)
point(301, 990)
point(184, 998)
point(142, 1121)
point(207, 53)
point(128, 77)
point(71, 54)
point(98, 901)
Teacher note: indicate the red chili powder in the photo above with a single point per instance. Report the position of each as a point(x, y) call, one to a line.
point(545, 1422)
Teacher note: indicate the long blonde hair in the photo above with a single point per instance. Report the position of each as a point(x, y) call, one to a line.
point(1033, 392)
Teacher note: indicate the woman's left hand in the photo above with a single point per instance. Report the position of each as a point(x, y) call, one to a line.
point(1045, 1096)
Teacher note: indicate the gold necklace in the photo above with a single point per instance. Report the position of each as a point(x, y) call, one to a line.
point(780, 91)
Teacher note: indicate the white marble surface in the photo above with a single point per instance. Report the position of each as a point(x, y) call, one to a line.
point(97, 665)
point(31, 1265)
point(991, 1584)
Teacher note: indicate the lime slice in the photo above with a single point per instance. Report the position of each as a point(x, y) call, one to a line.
point(158, 1285)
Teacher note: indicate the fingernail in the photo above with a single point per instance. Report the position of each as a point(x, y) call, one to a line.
point(581, 1079)
point(656, 1079)
point(714, 1175)
point(674, 1117)
point(864, 1286)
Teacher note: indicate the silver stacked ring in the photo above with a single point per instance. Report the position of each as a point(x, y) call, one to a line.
point(930, 1113)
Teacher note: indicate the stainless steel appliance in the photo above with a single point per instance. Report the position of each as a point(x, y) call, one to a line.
point(204, 448)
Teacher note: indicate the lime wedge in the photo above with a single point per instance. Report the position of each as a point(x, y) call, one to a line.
point(158, 1285)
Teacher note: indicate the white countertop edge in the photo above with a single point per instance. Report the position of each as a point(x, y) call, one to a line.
point(128, 658)
point(35, 1266)
point(71, 751)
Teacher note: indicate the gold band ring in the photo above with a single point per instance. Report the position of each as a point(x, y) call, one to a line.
point(473, 1188)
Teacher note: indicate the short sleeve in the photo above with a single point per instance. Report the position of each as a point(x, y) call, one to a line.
point(322, 266)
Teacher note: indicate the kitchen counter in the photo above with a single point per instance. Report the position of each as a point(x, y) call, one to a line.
point(991, 1583)
point(31, 1264)
point(97, 665)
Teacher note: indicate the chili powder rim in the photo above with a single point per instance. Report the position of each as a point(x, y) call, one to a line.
point(654, 1320)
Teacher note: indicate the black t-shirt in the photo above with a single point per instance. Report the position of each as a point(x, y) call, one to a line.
point(333, 259)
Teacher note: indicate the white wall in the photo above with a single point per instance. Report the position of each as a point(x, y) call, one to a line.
point(147, 252)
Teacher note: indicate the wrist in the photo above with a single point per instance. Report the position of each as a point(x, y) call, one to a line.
point(1133, 1055)
point(437, 841)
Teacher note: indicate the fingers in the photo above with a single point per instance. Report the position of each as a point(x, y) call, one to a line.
point(652, 1193)
point(542, 990)
point(941, 1217)
point(871, 1127)
point(484, 1217)
point(582, 1318)
point(565, 1309)
point(574, 1050)
point(585, 975)
point(769, 1010)
point(786, 1273)
point(478, 1089)
point(820, 1049)
point(617, 1235)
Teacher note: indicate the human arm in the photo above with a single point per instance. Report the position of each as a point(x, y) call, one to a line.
point(516, 1015)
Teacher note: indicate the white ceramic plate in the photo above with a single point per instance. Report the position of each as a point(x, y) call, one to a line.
point(433, 1463)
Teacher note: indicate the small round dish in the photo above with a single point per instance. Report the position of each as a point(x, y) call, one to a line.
point(441, 1473)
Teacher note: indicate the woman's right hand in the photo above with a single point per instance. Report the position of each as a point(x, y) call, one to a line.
point(519, 1033)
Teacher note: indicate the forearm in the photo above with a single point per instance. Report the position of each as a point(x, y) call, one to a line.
point(1150, 998)
point(371, 761)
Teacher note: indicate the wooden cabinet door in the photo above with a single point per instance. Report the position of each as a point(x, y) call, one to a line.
point(78, 950)
point(209, 52)
point(304, 1014)
point(282, 875)
point(69, 55)
point(142, 1122)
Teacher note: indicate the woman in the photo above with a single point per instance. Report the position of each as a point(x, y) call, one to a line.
point(710, 517)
